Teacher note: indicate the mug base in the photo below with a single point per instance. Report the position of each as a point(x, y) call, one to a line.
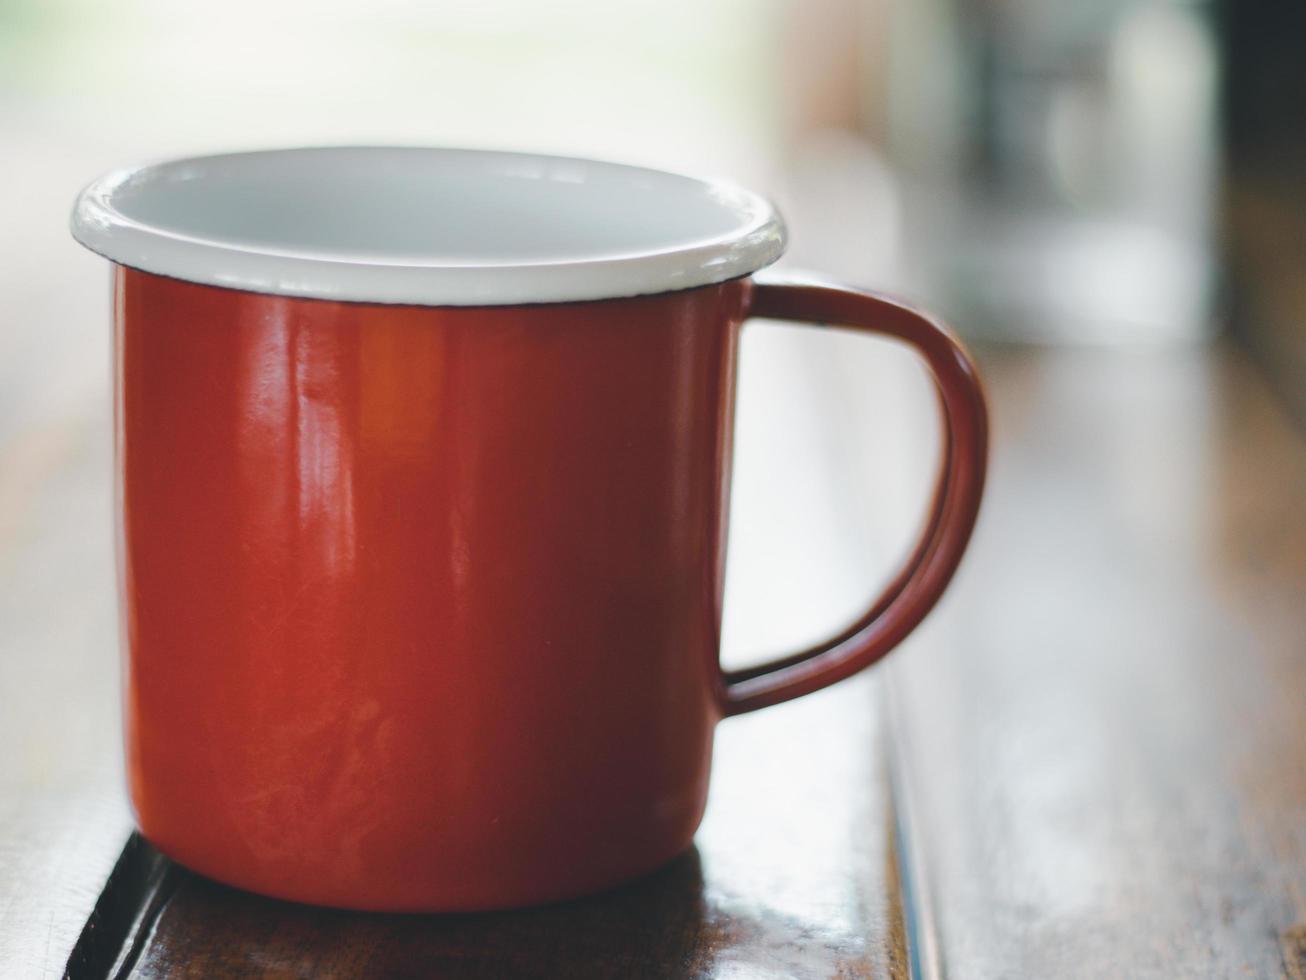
point(479, 899)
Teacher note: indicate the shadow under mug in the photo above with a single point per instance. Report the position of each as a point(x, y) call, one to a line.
point(422, 467)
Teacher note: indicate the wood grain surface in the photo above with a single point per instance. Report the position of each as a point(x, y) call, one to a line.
point(63, 818)
point(1103, 732)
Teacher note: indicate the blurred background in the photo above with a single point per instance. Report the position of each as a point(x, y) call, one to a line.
point(1120, 174)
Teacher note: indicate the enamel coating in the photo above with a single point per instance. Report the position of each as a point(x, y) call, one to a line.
point(421, 604)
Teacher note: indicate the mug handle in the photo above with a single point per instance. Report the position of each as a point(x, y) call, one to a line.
point(952, 513)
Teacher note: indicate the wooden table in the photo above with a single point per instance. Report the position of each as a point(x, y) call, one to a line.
point(1091, 762)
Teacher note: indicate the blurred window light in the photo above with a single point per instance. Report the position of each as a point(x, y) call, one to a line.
point(665, 82)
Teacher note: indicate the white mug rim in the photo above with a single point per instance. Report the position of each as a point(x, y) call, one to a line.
point(536, 228)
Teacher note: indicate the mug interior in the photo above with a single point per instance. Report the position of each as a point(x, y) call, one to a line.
point(430, 226)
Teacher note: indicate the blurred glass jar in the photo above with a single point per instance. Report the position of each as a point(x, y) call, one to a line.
point(1059, 164)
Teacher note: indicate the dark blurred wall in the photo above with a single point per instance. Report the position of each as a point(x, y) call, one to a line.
point(1265, 184)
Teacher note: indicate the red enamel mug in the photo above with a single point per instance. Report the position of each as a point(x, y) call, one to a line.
point(422, 469)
